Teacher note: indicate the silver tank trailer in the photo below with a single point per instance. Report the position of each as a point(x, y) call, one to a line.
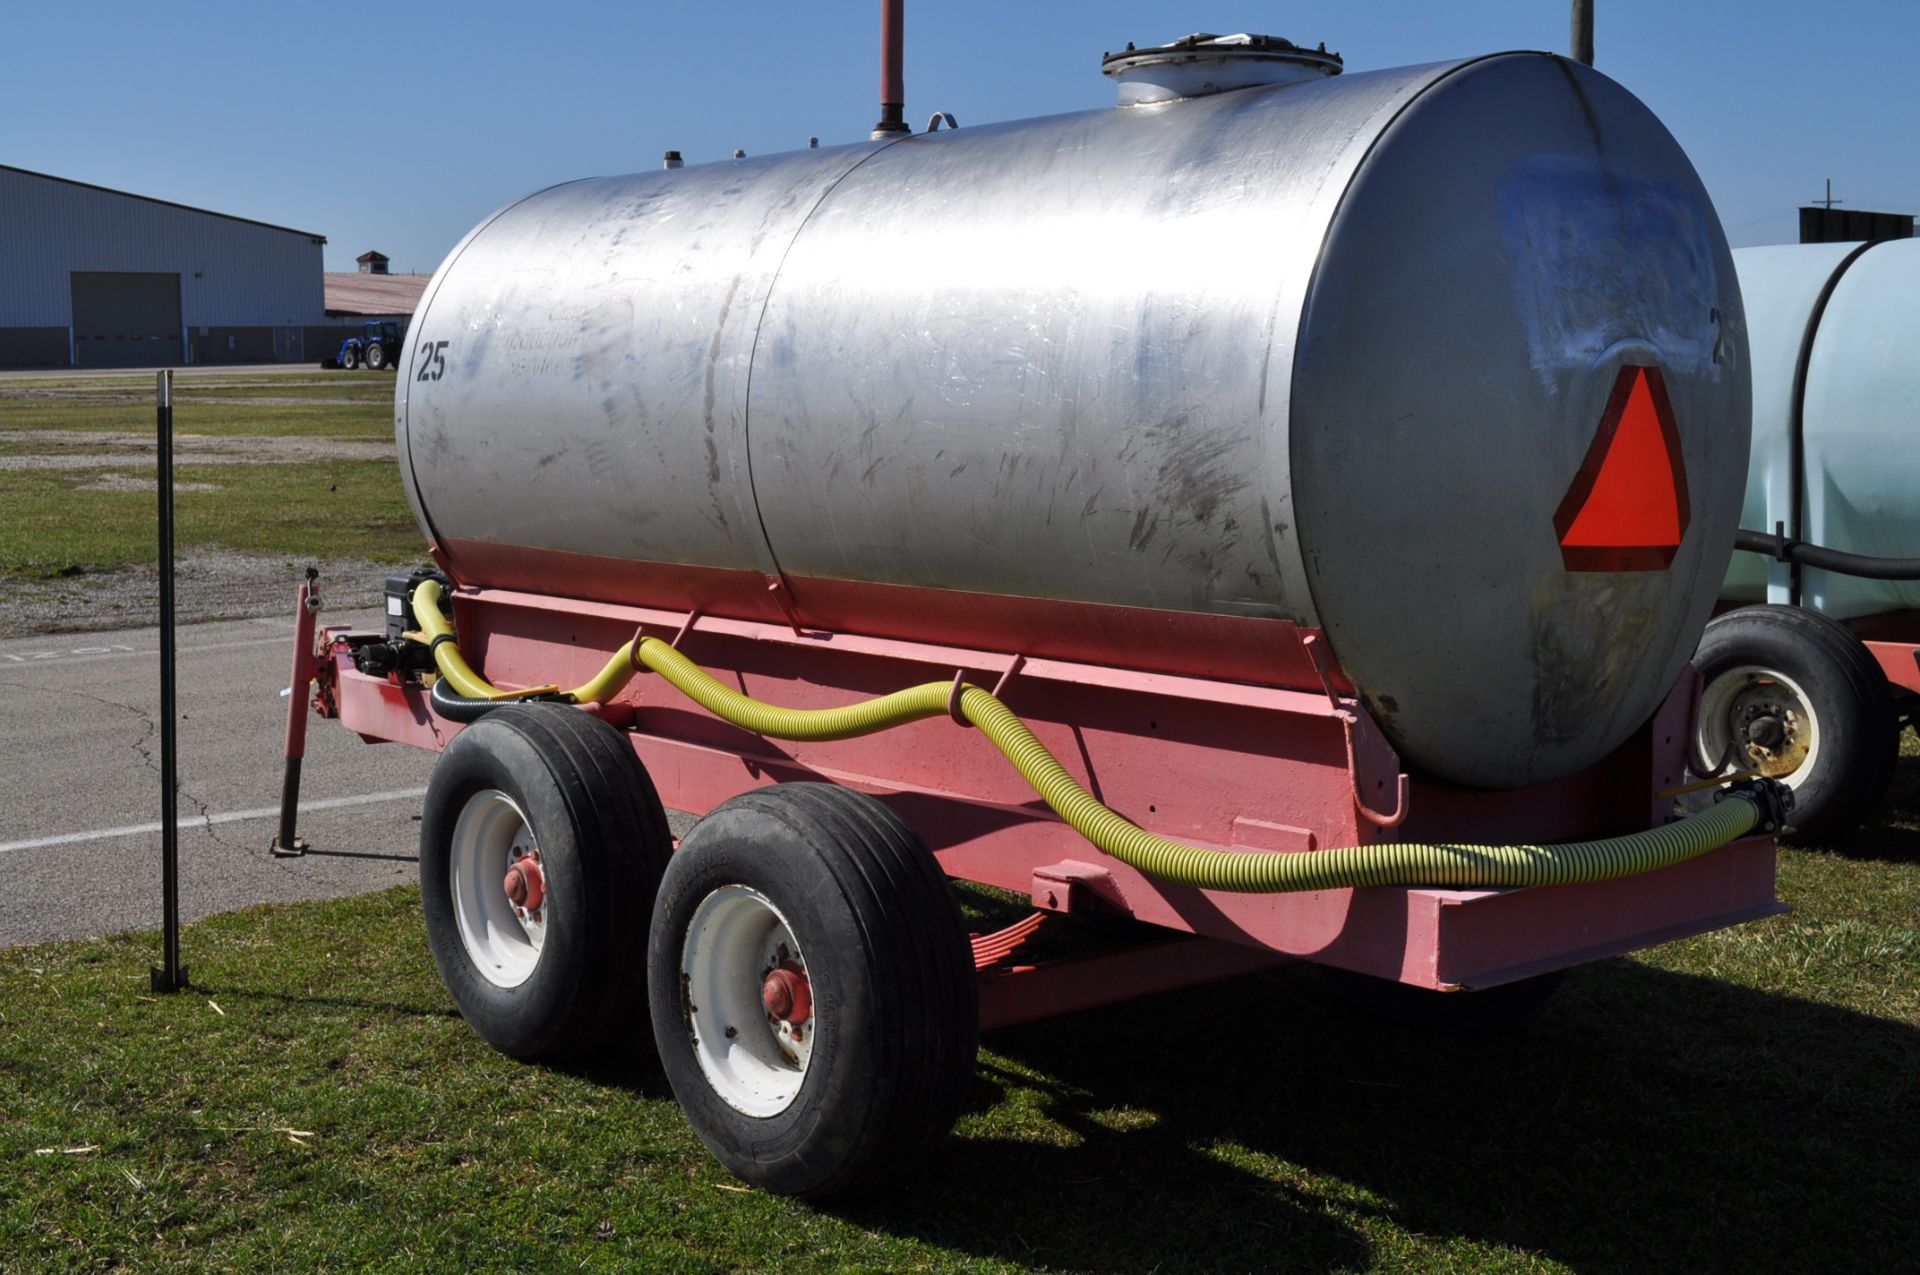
point(1329, 352)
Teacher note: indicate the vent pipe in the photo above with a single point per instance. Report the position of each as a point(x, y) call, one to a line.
point(893, 80)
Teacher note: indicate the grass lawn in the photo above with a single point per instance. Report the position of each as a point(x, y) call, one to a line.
point(60, 521)
point(327, 405)
point(1748, 1100)
point(138, 386)
point(98, 510)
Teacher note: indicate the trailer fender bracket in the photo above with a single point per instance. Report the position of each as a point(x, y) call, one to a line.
point(1074, 886)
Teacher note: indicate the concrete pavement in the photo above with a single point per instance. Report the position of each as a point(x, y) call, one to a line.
point(80, 783)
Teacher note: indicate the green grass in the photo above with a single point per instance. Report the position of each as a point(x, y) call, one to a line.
point(331, 415)
point(1747, 1100)
point(58, 521)
point(138, 386)
point(330, 387)
point(53, 524)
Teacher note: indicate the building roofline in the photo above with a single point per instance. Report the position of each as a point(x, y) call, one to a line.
point(164, 203)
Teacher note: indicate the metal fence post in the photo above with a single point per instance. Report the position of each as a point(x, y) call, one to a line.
point(170, 976)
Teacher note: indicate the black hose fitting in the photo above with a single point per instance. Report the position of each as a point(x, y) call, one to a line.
point(1773, 799)
point(402, 656)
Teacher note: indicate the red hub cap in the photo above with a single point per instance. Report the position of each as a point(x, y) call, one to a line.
point(787, 994)
point(526, 885)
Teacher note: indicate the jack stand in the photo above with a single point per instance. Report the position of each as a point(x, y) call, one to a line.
point(287, 845)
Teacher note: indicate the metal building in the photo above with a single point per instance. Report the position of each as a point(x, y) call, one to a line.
point(103, 278)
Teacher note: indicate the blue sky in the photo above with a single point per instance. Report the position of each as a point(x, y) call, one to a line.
point(399, 133)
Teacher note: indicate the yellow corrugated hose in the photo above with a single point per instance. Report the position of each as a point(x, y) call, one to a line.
point(1400, 863)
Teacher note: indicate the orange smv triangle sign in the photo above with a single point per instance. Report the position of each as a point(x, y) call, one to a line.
point(1627, 509)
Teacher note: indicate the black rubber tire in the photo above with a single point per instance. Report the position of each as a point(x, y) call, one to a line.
point(376, 356)
point(892, 977)
point(350, 359)
point(1493, 1009)
point(604, 844)
point(1859, 741)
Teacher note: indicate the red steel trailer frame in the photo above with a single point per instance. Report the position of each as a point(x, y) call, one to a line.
point(1893, 639)
point(1221, 764)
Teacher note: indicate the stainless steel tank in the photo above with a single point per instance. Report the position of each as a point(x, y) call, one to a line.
point(1152, 384)
point(1850, 415)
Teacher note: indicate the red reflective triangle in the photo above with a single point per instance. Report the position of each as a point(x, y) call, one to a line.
point(1627, 509)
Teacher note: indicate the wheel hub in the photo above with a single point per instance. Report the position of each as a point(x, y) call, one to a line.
point(749, 1000)
point(787, 994)
point(1768, 732)
point(1771, 732)
point(1756, 718)
point(499, 888)
point(526, 884)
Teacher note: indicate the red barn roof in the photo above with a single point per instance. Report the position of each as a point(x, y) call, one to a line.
point(356, 294)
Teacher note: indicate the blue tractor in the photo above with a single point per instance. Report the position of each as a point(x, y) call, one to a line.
point(376, 348)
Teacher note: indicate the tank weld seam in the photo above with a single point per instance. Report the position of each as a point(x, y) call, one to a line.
point(753, 345)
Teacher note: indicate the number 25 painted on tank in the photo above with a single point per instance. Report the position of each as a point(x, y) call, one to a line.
point(433, 360)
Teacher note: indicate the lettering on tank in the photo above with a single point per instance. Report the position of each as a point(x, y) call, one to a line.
point(1600, 259)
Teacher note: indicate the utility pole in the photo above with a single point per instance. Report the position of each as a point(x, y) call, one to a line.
point(1583, 31)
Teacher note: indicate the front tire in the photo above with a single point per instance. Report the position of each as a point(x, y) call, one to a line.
point(814, 1000)
point(556, 798)
point(350, 359)
point(1794, 695)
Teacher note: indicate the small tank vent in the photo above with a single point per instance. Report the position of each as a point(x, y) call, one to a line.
point(1203, 63)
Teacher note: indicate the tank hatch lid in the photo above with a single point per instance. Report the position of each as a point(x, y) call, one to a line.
point(1202, 63)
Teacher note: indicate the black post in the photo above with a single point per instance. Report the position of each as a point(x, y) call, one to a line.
point(172, 976)
point(1583, 31)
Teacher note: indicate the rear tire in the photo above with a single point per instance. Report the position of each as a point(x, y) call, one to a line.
point(1799, 698)
point(564, 980)
point(829, 886)
point(376, 356)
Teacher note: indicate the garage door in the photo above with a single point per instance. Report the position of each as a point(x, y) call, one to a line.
point(125, 319)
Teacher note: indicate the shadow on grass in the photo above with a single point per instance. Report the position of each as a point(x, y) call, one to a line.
point(1891, 835)
point(1644, 1121)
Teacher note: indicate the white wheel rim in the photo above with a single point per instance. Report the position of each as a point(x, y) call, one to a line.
point(1739, 695)
point(755, 1062)
point(503, 942)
